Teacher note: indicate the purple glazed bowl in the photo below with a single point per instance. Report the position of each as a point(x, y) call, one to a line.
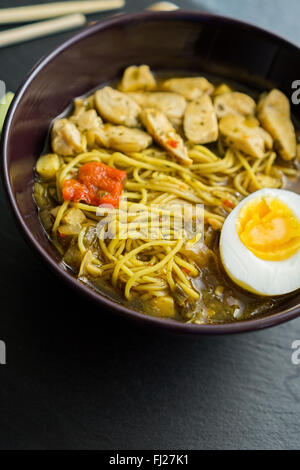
point(176, 41)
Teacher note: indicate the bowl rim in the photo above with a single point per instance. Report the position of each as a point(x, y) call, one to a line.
point(207, 329)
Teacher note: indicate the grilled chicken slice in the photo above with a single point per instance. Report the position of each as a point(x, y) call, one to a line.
point(274, 113)
point(66, 138)
point(117, 107)
point(171, 104)
point(82, 104)
point(223, 88)
point(191, 88)
point(234, 103)
point(97, 137)
point(158, 125)
point(87, 120)
point(126, 140)
point(200, 121)
point(79, 107)
point(137, 78)
point(253, 141)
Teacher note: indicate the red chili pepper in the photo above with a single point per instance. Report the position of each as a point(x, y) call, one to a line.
point(228, 203)
point(62, 235)
point(172, 143)
point(73, 190)
point(93, 178)
point(187, 271)
point(100, 175)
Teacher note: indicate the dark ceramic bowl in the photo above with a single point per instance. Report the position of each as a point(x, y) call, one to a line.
point(177, 41)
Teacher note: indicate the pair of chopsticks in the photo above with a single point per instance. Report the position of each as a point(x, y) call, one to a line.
point(69, 15)
point(65, 16)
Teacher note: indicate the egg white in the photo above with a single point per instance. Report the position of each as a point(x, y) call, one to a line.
point(268, 278)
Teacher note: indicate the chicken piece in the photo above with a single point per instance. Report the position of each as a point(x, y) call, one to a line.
point(158, 125)
point(171, 104)
point(264, 134)
point(137, 78)
point(83, 104)
point(67, 230)
point(265, 181)
point(252, 121)
point(73, 216)
point(198, 253)
point(126, 140)
point(223, 88)
point(191, 88)
point(66, 138)
point(97, 137)
point(48, 165)
point(80, 105)
point(87, 103)
point(274, 113)
point(117, 107)
point(86, 119)
point(234, 103)
point(253, 141)
point(164, 306)
point(200, 121)
point(89, 120)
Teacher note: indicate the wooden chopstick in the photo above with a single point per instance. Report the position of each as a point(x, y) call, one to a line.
point(41, 28)
point(51, 10)
point(4, 105)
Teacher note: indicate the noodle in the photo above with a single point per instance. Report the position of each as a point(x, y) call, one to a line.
point(154, 183)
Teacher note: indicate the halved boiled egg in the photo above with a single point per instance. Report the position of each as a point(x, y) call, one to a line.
point(260, 243)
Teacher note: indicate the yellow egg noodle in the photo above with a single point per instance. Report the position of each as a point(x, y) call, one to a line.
point(153, 178)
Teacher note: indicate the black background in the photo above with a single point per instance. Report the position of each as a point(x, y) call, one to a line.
point(78, 378)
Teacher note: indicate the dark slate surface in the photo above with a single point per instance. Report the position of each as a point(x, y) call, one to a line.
point(78, 378)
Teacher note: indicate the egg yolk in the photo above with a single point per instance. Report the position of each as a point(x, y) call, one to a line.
point(269, 229)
